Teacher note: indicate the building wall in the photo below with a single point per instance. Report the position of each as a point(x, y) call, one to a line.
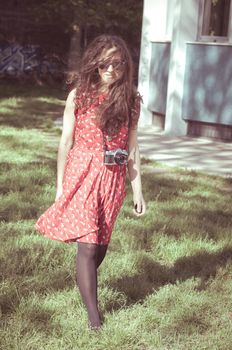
point(208, 84)
point(158, 77)
point(153, 28)
point(177, 21)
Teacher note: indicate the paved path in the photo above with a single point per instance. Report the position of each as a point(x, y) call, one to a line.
point(207, 155)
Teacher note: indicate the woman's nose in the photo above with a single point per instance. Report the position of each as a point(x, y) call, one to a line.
point(110, 68)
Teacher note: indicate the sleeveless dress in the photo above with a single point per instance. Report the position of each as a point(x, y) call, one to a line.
point(93, 192)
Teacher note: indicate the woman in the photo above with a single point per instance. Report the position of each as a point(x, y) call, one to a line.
point(99, 128)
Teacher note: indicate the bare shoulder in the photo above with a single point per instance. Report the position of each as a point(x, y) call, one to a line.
point(71, 98)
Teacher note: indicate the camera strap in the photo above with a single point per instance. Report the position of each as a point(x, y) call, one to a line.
point(104, 141)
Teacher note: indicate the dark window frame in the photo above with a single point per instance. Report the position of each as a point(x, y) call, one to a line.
point(204, 23)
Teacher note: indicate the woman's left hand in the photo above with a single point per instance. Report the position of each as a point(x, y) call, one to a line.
point(139, 205)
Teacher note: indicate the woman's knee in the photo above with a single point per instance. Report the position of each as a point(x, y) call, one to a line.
point(87, 250)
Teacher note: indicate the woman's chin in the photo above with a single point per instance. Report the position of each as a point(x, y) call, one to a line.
point(108, 79)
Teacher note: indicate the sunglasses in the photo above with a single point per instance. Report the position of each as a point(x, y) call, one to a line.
point(116, 65)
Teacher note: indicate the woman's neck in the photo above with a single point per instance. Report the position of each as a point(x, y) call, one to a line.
point(103, 88)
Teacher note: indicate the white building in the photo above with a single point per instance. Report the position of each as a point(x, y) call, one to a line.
point(185, 73)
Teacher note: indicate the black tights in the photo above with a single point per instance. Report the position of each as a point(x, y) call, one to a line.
point(89, 258)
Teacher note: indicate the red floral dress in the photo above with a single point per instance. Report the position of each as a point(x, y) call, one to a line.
point(93, 193)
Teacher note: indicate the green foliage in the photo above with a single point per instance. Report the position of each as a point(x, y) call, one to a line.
point(165, 282)
point(63, 18)
point(98, 13)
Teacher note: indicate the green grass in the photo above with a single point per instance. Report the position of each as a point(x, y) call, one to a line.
point(166, 282)
point(29, 106)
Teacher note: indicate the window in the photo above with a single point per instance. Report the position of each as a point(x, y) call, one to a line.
point(214, 20)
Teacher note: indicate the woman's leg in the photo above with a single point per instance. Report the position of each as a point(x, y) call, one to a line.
point(87, 280)
point(101, 254)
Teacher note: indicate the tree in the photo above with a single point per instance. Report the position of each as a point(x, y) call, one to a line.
point(65, 27)
point(50, 22)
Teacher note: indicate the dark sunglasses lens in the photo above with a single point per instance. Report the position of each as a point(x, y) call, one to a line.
point(103, 66)
point(117, 65)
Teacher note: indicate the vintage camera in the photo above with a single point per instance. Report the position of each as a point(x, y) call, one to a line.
point(118, 156)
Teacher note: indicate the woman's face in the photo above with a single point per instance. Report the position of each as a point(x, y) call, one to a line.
point(112, 67)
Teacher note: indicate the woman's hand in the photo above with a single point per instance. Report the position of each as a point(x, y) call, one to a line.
point(139, 205)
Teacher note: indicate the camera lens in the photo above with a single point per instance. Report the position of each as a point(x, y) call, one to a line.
point(120, 158)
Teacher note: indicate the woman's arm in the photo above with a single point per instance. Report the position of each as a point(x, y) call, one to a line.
point(66, 140)
point(135, 173)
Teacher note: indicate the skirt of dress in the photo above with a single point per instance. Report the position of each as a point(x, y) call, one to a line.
point(93, 194)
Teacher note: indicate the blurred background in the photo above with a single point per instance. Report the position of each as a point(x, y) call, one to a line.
point(44, 40)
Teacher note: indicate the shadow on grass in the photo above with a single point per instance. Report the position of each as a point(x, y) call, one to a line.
point(22, 188)
point(152, 275)
point(156, 185)
point(29, 113)
point(30, 110)
point(19, 169)
point(207, 223)
point(32, 270)
point(187, 206)
point(169, 184)
point(39, 319)
point(10, 89)
point(22, 287)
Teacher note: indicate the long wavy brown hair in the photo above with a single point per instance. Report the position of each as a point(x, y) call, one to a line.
point(115, 111)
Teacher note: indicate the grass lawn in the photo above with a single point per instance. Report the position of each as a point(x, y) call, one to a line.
point(166, 282)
